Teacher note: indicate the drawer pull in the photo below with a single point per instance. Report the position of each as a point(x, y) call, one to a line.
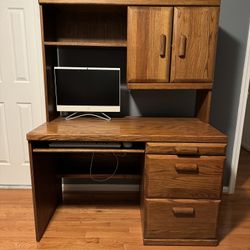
point(182, 48)
point(186, 168)
point(186, 150)
point(163, 45)
point(183, 211)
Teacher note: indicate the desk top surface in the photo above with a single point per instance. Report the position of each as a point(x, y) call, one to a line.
point(127, 129)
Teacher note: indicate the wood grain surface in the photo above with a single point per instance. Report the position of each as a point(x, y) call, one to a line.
point(203, 105)
point(135, 2)
point(170, 176)
point(113, 226)
point(186, 148)
point(168, 86)
point(128, 129)
point(148, 56)
point(199, 26)
point(163, 223)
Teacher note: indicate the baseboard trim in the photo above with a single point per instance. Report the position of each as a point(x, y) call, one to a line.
point(225, 190)
point(15, 186)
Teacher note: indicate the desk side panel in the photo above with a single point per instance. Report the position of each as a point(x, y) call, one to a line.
point(46, 189)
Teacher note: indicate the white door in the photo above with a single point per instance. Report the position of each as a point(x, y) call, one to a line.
point(21, 86)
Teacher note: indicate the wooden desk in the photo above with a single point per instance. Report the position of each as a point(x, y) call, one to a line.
point(181, 181)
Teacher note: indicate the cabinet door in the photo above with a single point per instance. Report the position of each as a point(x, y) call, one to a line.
point(194, 44)
point(149, 43)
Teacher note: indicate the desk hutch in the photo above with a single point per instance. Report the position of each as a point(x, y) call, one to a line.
point(159, 45)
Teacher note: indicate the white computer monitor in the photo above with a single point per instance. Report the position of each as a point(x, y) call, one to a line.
point(87, 89)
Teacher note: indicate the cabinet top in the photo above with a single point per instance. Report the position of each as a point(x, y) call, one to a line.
point(136, 2)
point(128, 129)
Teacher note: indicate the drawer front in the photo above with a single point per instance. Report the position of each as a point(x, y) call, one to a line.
point(186, 148)
point(171, 176)
point(183, 219)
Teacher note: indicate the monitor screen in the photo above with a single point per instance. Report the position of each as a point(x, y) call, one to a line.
point(87, 89)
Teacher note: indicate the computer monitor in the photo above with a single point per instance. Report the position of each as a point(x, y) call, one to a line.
point(87, 89)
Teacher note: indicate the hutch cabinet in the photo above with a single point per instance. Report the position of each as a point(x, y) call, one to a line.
point(194, 44)
point(149, 44)
point(159, 45)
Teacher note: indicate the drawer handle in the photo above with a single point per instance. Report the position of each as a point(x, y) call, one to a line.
point(182, 48)
point(186, 150)
point(163, 45)
point(183, 211)
point(187, 168)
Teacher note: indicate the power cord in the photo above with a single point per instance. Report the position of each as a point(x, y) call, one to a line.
point(109, 177)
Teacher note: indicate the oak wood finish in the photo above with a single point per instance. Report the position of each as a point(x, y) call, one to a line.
point(170, 176)
point(46, 189)
point(128, 129)
point(90, 43)
point(149, 43)
point(179, 243)
point(186, 148)
point(48, 62)
point(203, 105)
point(86, 150)
point(163, 223)
point(98, 226)
point(135, 2)
point(183, 157)
point(168, 86)
point(194, 44)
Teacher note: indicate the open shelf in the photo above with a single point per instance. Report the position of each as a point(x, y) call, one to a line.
point(89, 43)
point(87, 25)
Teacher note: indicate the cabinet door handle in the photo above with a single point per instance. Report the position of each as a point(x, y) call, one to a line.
point(163, 42)
point(183, 211)
point(186, 168)
point(182, 48)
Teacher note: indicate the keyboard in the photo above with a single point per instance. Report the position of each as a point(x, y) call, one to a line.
point(85, 144)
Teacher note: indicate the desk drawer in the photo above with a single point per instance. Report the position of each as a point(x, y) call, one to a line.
point(183, 219)
point(171, 176)
point(186, 148)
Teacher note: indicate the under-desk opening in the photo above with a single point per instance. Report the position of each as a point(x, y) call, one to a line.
point(96, 175)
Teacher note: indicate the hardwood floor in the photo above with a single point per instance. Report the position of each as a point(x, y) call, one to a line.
point(115, 226)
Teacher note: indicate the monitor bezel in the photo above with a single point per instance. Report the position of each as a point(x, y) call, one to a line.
point(87, 108)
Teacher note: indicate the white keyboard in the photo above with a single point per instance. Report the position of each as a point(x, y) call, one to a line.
point(84, 144)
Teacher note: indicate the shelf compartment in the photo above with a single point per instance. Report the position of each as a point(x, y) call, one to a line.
point(169, 86)
point(87, 25)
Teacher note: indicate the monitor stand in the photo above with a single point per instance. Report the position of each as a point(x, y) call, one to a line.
point(76, 115)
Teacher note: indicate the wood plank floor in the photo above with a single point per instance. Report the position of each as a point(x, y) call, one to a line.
point(114, 226)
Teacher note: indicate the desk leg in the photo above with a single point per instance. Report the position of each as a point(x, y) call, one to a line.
point(46, 189)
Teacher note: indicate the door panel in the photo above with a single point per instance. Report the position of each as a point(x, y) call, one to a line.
point(194, 44)
point(21, 87)
point(149, 43)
